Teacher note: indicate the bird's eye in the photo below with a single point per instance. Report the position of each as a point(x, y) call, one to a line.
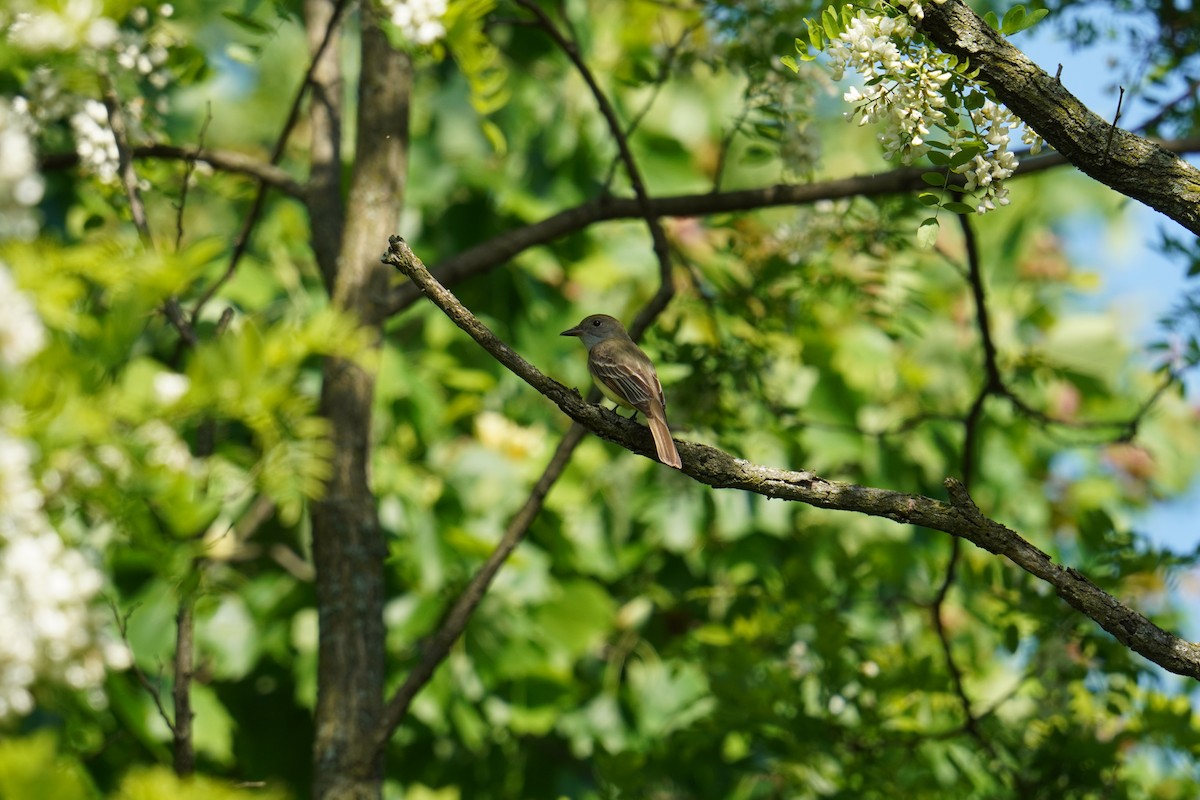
point(595, 323)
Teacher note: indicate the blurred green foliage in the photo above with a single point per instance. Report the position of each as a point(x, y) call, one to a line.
point(652, 637)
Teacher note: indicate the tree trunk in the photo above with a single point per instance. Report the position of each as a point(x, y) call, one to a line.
point(348, 547)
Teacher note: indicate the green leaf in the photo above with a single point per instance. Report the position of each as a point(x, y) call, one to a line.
point(992, 20)
point(956, 207)
point(31, 766)
point(228, 635)
point(667, 696)
point(937, 179)
point(1013, 20)
point(830, 23)
point(974, 101)
point(578, 618)
point(757, 154)
point(967, 154)
point(938, 159)
point(929, 198)
point(495, 136)
point(1017, 19)
point(156, 783)
point(816, 37)
point(248, 24)
point(927, 233)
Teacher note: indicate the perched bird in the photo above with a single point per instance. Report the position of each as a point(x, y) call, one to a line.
point(626, 376)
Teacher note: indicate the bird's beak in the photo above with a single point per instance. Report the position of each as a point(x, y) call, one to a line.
point(576, 331)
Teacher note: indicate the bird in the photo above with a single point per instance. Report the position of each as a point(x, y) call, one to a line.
point(626, 376)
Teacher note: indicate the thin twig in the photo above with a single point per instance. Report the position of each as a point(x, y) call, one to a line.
point(242, 242)
point(660, 80)
point(666, 288)
point(181, 693)
point(153, 690)
point(188, 170)
point(125, 170)
point(137, 208)
point(1189, 93)
point(1113, 127)
point(726, 144)
point(970, 425)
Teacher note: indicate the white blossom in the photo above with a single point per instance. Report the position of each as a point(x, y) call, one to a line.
point(166, 448)
point(169, 387)
point(419, 20)
point(63, 27)
point(21, 184)
point(905, 94)
point(95, 142)
point(53, 628)
point(22, 335)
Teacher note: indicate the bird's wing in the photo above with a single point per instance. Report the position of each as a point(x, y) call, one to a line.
point(628, 374)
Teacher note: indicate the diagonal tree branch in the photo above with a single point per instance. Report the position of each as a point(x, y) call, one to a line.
point(713, 467)
point(455, 622)
point(1134, 166)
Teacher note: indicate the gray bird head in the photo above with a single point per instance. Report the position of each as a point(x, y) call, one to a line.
point(596, 328)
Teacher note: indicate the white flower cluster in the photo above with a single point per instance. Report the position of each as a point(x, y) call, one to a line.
point(21, 184)
point(904, 90)
point(137, 47)
point(63, 26)
point(905, 93)
point(419, 20)
point(95, 142)
point(21, 333)
point(145, 51)
point(987, 171)
point(45, 98)
point(54, 632)
point(52, 626)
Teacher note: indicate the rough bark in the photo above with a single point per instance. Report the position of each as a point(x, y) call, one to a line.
point(348, 547)
point(1133, 165)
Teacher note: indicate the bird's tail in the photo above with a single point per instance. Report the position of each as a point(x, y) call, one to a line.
point(663, 443)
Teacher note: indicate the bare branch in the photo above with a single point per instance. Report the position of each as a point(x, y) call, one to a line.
point(151, 688)
point(490, 254)
point(137, 208)
point(325, 202)
point(222, 160)
point(713, 467)
point(455, 622)
point(125, 171)
point(970, 424)
point(188, 171)
point(181, 691)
